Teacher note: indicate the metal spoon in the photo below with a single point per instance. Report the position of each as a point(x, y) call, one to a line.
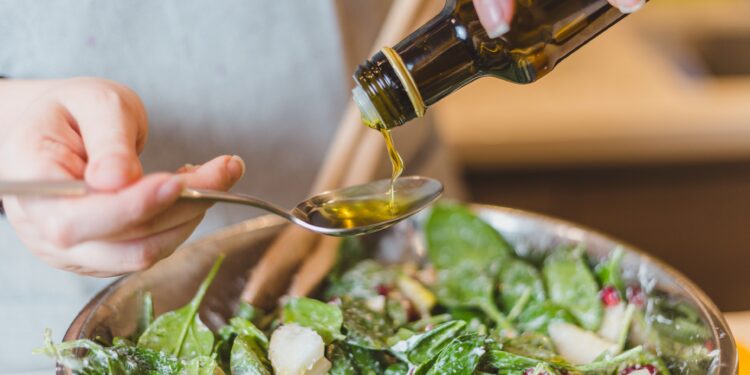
point(348, 211)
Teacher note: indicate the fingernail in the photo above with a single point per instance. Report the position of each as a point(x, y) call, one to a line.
point(236, 167)
point(187, 168)
point(493, 17)
point(627, 9)
point(170, 189)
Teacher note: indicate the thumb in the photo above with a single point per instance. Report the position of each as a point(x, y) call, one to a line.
point(495, 15)
point(112, 125)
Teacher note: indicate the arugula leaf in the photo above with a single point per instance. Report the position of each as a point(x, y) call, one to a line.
point(464, 285)
point(365, 328)
point(572, 285)
point(460, 357)
point(609, 272)
point(326, 319)
point(181, 332)
point(518, 278)
point(539, 316)
point(454, 235)
point(423, 347)
point(248, 357)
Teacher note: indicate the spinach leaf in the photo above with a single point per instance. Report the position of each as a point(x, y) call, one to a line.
point(460, 357)
point(181, 332)
point(423, 347)
point(118, 359)
point(539, 316)
point(398, 368)
point(537, 346)
point(353, 360)
point(350, 252)
point(503, 362)
point(464, 285)
point(518, 278)
point(248, 357)
point(610, 271)
point(326, 319)
point(572, 285)
point(363, 281)
point(455, 235)
point(365, 328)
point(202, 365)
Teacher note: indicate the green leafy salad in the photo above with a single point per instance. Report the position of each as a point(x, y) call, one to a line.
point(473, 307)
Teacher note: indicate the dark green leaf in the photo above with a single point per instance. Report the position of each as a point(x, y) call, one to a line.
point(350, 252)
point(572, 285)
point(518, 278)
point(118, 359)
point(248, 312)
point(466, 286)
point(539, 316)
point(324, 318)
point(181, 332)
point(365, 328)
point(398, 368)
point(537, 346)
point(423, 347)
point(352, 360)
point(460, 357)
point(454, 234)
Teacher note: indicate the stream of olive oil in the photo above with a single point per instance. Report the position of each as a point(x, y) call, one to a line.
point(350, 214)
point(397, 164)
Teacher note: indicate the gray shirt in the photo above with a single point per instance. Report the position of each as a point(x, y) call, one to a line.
point(261, 79)
point(265, 80)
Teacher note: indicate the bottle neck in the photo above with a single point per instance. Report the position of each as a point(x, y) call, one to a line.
point(437, 59)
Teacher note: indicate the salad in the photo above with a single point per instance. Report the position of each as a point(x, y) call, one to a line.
point(473, 307)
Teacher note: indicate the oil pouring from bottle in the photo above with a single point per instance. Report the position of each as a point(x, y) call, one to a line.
point(372, 118)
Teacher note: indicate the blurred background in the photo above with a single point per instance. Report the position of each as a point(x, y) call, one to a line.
point(643, 134)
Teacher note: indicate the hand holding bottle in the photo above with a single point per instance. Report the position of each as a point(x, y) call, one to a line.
point(496, 15)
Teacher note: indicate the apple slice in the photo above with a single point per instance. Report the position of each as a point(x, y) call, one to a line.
point(577, 345)
point(297, 350)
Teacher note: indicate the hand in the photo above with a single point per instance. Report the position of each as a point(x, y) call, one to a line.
point(93, 129)
point(496, 15)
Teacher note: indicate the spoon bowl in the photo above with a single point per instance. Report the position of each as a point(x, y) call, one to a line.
point(369, 207)
point(349, 211)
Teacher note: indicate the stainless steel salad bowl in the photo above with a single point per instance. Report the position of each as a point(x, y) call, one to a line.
point(172, 283)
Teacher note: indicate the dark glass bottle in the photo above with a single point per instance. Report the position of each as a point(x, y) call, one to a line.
point(453, 49)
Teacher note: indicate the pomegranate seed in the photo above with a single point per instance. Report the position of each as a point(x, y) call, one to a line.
point(650, 368)
point(382, 289)
point(709, 345)
point(635, 295)
point(610, 296)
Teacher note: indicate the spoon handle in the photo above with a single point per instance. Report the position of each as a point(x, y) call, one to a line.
point(76, 188)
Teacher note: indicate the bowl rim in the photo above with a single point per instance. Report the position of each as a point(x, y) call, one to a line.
point(727, 351)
